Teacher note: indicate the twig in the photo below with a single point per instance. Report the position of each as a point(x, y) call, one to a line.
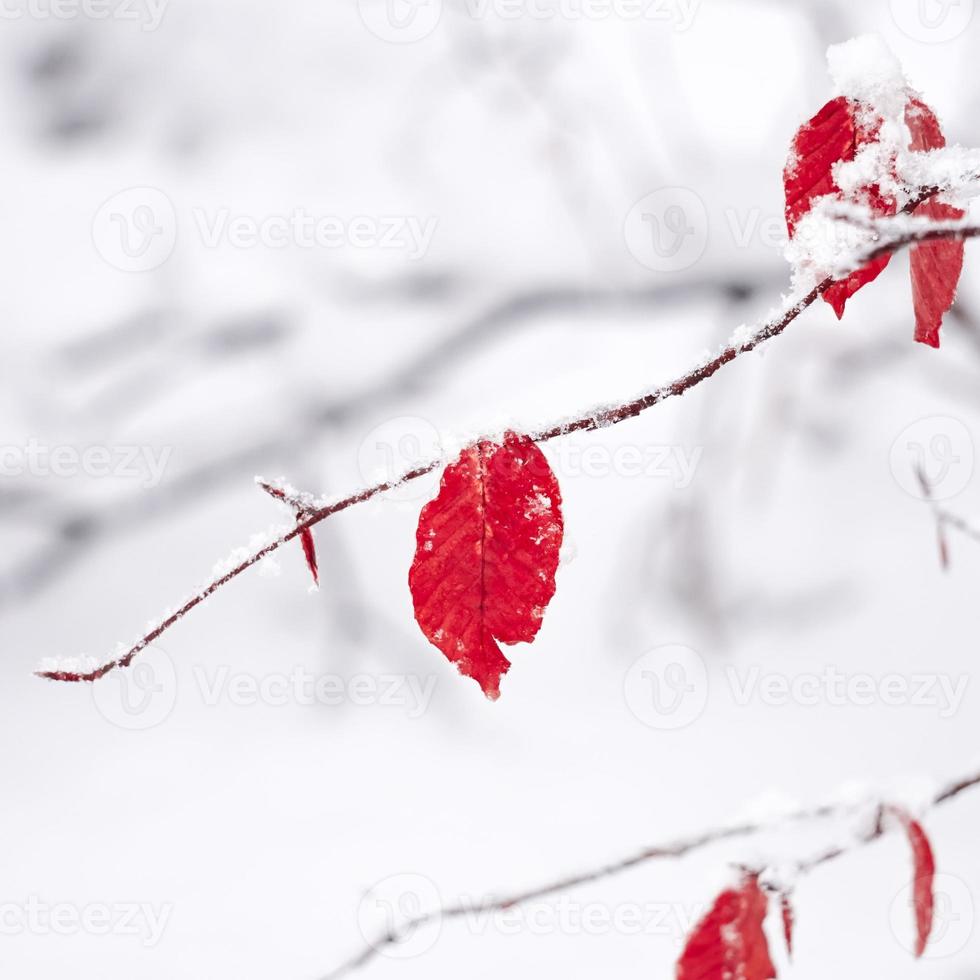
point(960, 524)
point(944, 519)
point(675, 849)
point(594, 420)
point(926, 487)
point(938, 231)
point(302, 503)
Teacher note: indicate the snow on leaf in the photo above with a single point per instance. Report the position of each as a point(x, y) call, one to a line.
point(935, 266)
point(487, 548)
point(835, 135)
point(729, 943)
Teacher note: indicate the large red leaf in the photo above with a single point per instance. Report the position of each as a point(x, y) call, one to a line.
point(486, 555)
point(935, 266)
point(833, 135)
point(924, 873)
point(729, 942)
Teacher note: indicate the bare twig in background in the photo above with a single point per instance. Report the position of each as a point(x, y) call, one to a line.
point(598, 419)
point(675, 849)
point(944, 519)
point(79, 529)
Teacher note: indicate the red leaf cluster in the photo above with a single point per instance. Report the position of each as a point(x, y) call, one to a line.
point(835, 135)
point(729, 943)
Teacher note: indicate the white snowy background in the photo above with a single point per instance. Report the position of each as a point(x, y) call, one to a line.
point(253, 823)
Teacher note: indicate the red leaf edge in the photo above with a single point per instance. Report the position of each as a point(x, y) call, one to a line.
point(923, 877)
point(309, 552)
point(934, 267)
point(730, 942)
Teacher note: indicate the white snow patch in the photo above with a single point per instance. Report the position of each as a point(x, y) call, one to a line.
point(865, 69)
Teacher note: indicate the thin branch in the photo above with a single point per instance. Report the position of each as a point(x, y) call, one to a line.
point(938, 231)
point(960, 524)
point(926, 487)
point(944, 518)
point(599, 419)
point(675, 849)
point(596, 420)
point(302, 503)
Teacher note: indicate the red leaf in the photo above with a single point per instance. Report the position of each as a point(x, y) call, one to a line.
point(309, 550)
point(486, 555)
point(924, 871)
point(936, 266)
point(789, 920)
point(833, 135)
point(729, 942)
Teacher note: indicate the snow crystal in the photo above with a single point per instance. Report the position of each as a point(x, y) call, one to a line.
point(865, 69)
point(780, 876)
point(741, 337)
point(768, 808)
point(538, 505)
point(954, 168)
point(269, 567)
point(68, 665)
point(851, 793)
point(827, 238)
point(914, 793)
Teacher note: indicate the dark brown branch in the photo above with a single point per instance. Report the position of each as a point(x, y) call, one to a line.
point(590, 422)
point(675, 849)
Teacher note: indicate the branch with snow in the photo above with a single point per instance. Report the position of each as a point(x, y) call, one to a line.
point(869, 817)
point(848, 209)
point(312, 510)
